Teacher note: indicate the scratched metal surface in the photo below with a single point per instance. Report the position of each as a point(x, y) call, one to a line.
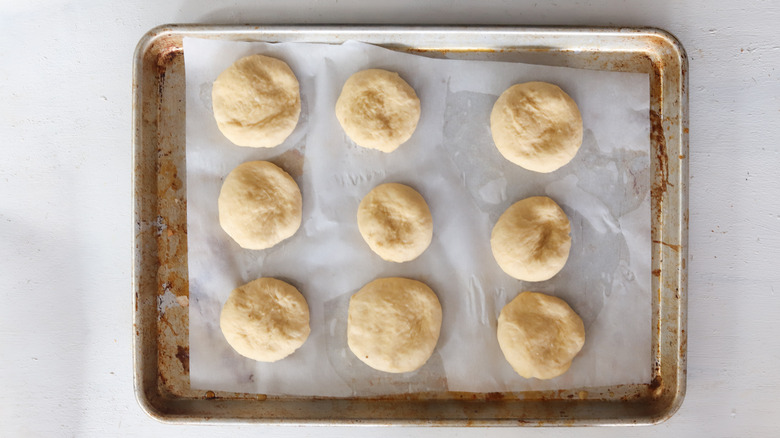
point(161, 350)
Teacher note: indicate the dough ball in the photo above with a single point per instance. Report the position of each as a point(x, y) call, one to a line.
point(265, 320)
point(395, 222)
point(259, 205)
point(256, 101)
point(530, 240)
point(393, 324)
point(539, 335)
point(537, 126)
point(378, 109)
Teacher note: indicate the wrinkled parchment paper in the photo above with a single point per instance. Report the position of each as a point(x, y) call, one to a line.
point(452, 161)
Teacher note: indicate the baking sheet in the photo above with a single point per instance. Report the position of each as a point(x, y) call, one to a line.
point(452, 162)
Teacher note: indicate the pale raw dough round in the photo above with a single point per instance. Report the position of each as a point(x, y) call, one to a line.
point(265, 320)
point(395, 222)
point(539, 335)
point(259, 205)
point(393, 324)
point(378, 109)
point(256, 101)
point(531, 240)
point(537, 126)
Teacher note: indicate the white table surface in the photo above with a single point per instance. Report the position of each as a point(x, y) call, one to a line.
point(65, 197)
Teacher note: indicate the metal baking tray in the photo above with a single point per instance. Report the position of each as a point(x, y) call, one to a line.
point(161, 349)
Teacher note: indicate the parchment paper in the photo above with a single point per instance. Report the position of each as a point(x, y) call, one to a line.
point(452, 161)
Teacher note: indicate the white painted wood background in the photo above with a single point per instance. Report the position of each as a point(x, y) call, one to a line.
point(65, 229)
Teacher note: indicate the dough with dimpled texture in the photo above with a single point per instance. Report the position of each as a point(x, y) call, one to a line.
point(539, 335)
point(393, 324)
point(537, 126)
point(265, 320)
point(395, 222)
point(530, 240)
point(256, 101)
point(259, 205)
point(378, 109)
